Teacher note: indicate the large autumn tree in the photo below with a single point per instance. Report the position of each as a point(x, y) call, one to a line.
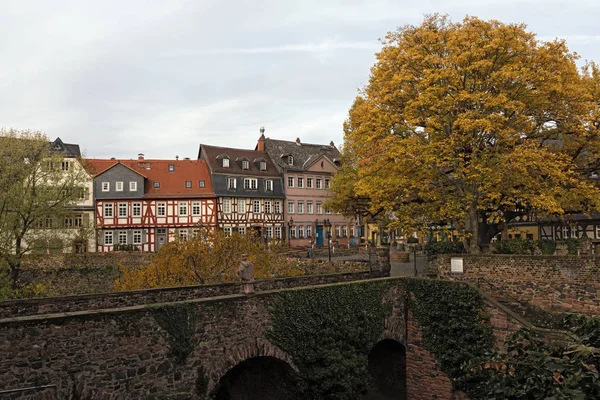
point(468, 124)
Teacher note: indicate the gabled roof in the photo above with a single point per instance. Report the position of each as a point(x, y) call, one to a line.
point(172, 183)
point(68, 149)
point(213, 155)
point(304, 154)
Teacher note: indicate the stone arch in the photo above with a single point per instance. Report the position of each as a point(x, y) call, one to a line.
point(242, 352)
point(257, 378)
point(387, 371)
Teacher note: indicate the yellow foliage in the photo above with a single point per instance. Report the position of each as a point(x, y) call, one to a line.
point(210, 257)
point(467, 123)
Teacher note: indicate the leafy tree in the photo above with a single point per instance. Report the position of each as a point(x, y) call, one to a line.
point(470, 124)
point(36, 194)
point(210, 257)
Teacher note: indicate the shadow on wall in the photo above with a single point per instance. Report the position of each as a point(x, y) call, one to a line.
point(387, 371)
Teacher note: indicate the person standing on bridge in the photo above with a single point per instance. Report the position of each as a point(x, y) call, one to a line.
point(246, 272)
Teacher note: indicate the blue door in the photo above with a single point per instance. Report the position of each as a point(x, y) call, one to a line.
point(319, 235)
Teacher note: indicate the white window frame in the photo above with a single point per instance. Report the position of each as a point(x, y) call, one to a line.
point(245, 164)
point(309, 207)
point(277, 207)
point(300, 182)
point(269, 231)
point(107, 207)
point(256, 206)
point(108, 238)
point(106, 186)
point(327, 184)
point(319, 183)
point(242, 230)
point(182, 209)
point(119, 186)
point(278, 232)
point(268, 185)
point(300, 207)
point(183, 234)
point(122, 210)
point(132, 186)
point(227, 206)
point(263, 165)
point(309, 182)
point(122, 234)
point(319, 208)
point(225, 162)
point(250, 183)
point(290, 207)
point(291, 180)
point(290, 160)
point(137, 237)
point(196, 209)
point(227, 230)
point(300, 231)
point(136, 210)
point(267, 206)
point(241, 206)
point(161, 207)
point(231, 183)
point(308, 231)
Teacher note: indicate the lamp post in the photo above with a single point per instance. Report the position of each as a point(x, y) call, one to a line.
point(328, 227)
point(290, 232)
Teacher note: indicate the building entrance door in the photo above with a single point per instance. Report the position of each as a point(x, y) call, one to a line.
point(161, 238)
point(319, 235)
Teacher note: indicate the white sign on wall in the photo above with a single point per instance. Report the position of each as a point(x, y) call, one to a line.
point(456, 265)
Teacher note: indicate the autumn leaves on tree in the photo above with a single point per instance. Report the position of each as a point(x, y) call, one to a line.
point(469, 124)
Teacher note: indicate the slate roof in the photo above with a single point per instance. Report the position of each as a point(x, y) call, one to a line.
point(213, 156)
point(172, 184)
point(304, 154)
point(68, 149)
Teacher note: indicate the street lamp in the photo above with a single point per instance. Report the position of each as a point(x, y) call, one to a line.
point(328, 227)
point(290, 232)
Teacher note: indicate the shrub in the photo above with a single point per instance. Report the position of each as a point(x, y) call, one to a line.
point(433, 248)
point(514, 246)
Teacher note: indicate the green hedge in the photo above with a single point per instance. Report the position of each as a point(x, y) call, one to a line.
point(432, 248)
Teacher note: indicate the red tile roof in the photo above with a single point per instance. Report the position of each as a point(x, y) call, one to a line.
point(172, 184)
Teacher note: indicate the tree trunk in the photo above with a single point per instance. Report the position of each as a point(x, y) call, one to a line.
point(472, 230)
point(14, 264)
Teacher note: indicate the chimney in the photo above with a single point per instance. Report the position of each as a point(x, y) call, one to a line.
point(331, 144)
point(187, 159)
point(140, 156)
point(298, 141)
point(176, 158)
point(260, 145)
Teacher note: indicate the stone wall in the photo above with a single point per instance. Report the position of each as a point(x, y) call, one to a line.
point(48, 305)
point(555, 284)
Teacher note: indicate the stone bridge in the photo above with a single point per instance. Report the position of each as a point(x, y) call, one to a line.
point(126, 353)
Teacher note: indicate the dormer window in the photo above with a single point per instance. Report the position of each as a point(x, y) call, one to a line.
point(263, 166)
point(290, 160)
point(171, 167)
point(226, 163)
point(245, 164)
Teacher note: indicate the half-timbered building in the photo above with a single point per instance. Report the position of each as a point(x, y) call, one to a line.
point(307, 171)
point(144, 204)
point(249, 190)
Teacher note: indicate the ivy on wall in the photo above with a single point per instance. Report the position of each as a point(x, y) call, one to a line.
point(178, 321)
point(453, 324)
point(329, 333)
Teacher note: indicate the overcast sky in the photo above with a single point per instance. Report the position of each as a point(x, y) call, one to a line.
point(161, 77)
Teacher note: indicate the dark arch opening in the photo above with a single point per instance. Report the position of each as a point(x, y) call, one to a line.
point(387, 371)
point(258, 378)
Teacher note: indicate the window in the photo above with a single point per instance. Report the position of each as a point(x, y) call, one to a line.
point(267, 207)
point(241, 206)
point(300, 207)
point(108, 238)
point(122, 237)
point(290, 181)
point(226, 163)
point(242, 230)
point(227, 206)
point(300, 182)
point(309, 182)
point(201, 184)
point(136, 210)
point(137, 237)
point(269, 231)
point(319, 208)
point(268, 185)
point(68, 222)
point(309, 207)
point(597, 231)
point(290, 207)
point(319, 186)
point(196, 208)
point(171, 167)
point(65, 165)
point(290, 160)
point(308, 231)
point(277, 207)
point(183, 234)
point(326, 183)
point(161, 209)
point(122, 209)
point(183, 209)
point(119, 186)
point(293, 232)
point(263, 165)
point(156, 185)
point(344, 232)
point(231, 183)
point(337, 231)
point(565, 232)
point(105, 186)
point(278, 232)
point(256, 206)
point(300, 231)
point(108, 210)
point(245, 164)
point(250, 183)
point(132, 186)
point(227, 230)
point(188, 184)
point(78, 220)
